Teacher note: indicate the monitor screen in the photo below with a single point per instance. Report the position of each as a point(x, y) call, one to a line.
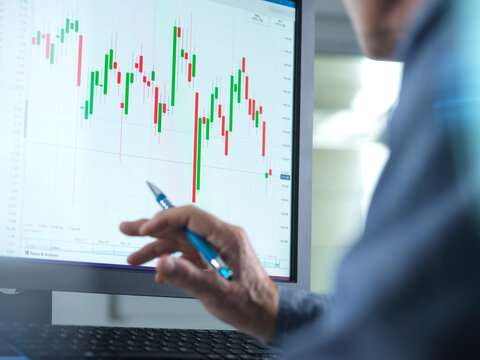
point(96, 97)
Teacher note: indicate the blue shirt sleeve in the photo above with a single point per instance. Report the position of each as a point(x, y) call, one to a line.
point(297, 309)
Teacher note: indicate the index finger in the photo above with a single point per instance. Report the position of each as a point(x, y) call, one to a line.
point(190, 217)
point(132, 227)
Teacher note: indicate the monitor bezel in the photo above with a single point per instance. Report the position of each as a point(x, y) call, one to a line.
point(34, 274)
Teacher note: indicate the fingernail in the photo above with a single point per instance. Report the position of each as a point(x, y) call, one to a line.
point(168, 265)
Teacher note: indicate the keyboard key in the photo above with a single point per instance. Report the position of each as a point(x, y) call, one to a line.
point(163, 356)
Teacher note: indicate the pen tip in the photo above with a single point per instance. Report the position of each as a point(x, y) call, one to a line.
point(156, 191)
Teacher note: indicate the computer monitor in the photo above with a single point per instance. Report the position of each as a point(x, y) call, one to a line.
point(212, 100)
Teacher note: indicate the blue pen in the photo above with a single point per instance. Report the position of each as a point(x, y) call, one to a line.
point(205, 250)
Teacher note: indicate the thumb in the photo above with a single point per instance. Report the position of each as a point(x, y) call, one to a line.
point(184, 274)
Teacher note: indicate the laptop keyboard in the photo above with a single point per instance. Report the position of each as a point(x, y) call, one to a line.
point(55, 341)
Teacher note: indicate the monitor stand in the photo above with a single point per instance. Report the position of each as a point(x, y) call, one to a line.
point(28, 306)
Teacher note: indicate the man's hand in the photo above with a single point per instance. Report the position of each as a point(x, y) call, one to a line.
point(249, 302)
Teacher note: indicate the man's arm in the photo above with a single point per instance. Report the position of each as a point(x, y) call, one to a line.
point(297, 309)
point(251, 301)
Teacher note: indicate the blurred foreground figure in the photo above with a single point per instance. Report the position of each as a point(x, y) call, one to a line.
point(409, 288)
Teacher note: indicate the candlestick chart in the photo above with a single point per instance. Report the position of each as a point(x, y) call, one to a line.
point(195, 96)
point(112, 72)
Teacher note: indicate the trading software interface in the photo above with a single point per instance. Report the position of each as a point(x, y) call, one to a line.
point(96, 97)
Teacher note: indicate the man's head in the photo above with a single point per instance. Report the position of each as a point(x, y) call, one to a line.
point(379, 24)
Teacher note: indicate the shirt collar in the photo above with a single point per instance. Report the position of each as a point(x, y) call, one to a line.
point(418, 26)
